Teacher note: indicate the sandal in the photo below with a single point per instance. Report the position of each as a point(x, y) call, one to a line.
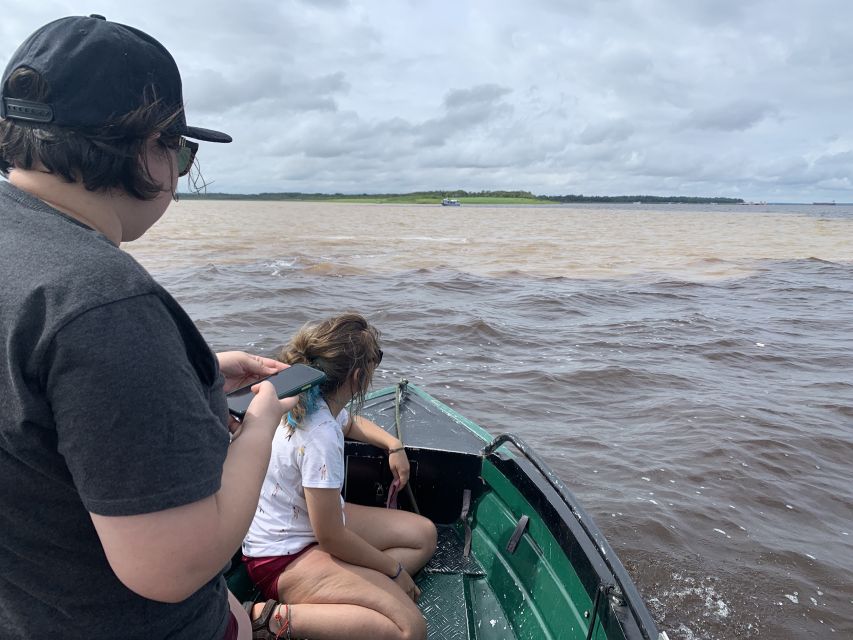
point(261, 625)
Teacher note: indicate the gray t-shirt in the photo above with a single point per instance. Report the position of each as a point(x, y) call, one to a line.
point(110, 402)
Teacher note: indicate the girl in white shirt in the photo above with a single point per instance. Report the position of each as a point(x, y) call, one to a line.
point(343, 570)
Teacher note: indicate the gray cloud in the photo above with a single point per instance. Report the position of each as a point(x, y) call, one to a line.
point(208, 90)
point(476, 96)
point(737, 115)
point(327, 4)
point(614, 130)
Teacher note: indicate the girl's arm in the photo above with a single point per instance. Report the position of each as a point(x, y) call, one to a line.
point(363, 430)
point(324, 512)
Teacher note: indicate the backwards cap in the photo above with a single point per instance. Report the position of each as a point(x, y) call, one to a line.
point(97, 71)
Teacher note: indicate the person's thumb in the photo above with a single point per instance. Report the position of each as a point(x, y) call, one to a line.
point(264, 389)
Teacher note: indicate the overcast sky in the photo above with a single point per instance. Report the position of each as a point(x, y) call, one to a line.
point(743, 98)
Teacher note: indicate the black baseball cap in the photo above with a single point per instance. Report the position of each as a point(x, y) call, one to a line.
point(97, 71)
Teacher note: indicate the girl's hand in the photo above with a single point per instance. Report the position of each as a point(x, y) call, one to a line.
point(399, 463)
point(405, 582)
point(241, 369)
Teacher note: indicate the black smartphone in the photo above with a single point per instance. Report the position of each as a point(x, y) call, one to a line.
point(289, 382)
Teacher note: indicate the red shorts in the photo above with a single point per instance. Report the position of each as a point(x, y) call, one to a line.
point(231, 629)
point(264, 572)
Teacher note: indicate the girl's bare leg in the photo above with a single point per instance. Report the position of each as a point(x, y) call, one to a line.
point(336, 600)
point(406, 536)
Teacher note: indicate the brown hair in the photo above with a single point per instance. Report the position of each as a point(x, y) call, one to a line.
point(337, 346)
point(104, 157)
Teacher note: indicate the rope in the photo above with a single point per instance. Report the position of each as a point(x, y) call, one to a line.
point(398, 426)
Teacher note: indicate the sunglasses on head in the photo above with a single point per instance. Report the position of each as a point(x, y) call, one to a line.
point(186, 155)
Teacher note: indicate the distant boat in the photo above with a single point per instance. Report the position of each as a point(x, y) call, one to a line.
point(826, 204)
point(450, 202)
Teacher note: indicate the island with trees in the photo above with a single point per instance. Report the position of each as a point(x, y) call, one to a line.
point(465, 197)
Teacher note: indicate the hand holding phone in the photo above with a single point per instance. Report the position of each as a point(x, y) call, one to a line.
point(289, 382)
point(265, 408)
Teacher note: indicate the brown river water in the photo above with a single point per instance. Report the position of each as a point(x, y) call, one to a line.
point(686, 370)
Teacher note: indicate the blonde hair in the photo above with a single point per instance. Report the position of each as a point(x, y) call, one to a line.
point(337, 346)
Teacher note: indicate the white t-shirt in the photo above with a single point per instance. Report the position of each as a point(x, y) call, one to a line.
point(311, 455)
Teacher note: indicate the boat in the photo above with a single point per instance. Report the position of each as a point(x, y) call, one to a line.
point(450, 202)
point(825, 204)
point(517, 555)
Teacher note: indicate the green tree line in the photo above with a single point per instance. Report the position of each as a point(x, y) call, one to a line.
point(460, 194)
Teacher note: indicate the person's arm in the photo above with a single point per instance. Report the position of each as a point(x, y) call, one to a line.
point(324, 512)
point(364, 430)
point(140, 421)
point(168, 555)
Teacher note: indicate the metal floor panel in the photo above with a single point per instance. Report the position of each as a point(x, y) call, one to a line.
point(443, 604)
point(449, 558)
point(460, 607)
point(456, 598)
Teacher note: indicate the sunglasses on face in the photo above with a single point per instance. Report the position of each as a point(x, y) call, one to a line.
point(186, 155)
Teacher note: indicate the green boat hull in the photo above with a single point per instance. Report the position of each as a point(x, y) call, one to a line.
point(535, 566)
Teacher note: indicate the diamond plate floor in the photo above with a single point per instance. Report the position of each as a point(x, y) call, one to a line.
point(443, 605)
point(448, 556)
point(456, 599)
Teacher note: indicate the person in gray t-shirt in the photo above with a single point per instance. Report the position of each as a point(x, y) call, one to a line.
point(122, 496)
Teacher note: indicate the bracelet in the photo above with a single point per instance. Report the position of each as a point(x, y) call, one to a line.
point(390, 451)
point(284, 626)
point(399, 571)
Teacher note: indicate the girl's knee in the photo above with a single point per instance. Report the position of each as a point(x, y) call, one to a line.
point(429, 536)
point(414, 628)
